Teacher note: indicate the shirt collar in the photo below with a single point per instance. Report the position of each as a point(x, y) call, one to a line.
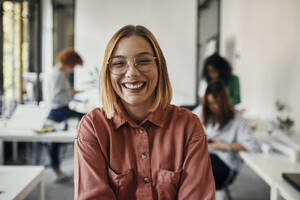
point(156, 117)
point(120, 118)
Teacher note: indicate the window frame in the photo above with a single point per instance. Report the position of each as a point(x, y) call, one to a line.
point(34, 58)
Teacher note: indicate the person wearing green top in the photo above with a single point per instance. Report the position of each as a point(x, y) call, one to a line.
point(218, 68)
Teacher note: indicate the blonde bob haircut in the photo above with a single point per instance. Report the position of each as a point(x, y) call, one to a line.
point(163, 90)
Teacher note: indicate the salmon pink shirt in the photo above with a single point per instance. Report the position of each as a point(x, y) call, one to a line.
point(165, 157)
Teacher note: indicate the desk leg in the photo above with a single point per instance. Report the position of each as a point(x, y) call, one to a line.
point(42, 188)
point(274, 193)
point(1, 152)
point(15, 151)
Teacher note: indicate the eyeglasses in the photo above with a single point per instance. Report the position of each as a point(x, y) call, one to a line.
point(119, 65)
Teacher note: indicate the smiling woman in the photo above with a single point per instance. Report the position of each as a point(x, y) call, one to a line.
point(138, 146)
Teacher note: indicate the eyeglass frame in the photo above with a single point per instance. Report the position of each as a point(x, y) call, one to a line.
point(127, 63)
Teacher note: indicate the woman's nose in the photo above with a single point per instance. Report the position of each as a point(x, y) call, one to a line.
point(132, 70)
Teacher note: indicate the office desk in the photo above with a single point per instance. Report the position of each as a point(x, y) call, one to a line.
point(16, 182)
point(17, 135)
point(270, 167)
point(7, 134)
point(25, 119)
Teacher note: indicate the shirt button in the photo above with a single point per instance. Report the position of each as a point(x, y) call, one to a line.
point(141, 131)
point(144, 156)
point(146, 180)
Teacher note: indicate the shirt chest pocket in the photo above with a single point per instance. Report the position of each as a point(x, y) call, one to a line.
point(122, 183)
point(167, 184)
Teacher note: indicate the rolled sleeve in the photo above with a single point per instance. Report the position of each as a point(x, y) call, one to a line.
point(90, 171)
point(197, 180)
point(247, 138)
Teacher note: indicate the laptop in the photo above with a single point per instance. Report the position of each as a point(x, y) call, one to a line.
point(293, 179)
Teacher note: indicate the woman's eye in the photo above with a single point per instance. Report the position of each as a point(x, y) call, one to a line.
point(143, 61)
point(118, 63)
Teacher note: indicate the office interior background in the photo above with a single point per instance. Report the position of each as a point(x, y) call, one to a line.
point(260, 38)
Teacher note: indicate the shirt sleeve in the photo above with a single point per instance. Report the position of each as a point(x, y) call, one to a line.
point(197, 180)
point(90, 171)
point(246, 137)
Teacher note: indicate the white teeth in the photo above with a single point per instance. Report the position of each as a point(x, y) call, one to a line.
point(133, 86)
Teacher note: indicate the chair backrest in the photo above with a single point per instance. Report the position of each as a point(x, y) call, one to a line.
point(230, 179)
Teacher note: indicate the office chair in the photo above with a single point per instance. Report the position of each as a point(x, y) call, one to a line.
point(230, 179)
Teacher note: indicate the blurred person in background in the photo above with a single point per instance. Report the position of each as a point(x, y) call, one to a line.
point(218, 68)
point(227, 133)
point(60, 93)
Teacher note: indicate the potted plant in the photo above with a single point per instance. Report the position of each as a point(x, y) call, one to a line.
point(285, 123)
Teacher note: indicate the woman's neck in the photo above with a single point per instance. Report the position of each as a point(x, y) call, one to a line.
point(137, 112)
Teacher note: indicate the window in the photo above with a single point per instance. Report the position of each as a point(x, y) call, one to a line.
point(19, 28)
point(63, 27)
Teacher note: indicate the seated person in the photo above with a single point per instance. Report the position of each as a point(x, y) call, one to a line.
point(227, 133)
point(60, 94)
point(138, 145)
point(218, 68)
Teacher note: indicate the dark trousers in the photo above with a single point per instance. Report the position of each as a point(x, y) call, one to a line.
point(59, 115)
point(222, 173)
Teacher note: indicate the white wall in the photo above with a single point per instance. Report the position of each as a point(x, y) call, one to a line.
point(266, 34)
point(47, 35)
point(47, 42)
point(208, 28)
point(173, 22)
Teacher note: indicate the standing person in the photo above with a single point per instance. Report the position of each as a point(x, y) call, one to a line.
point(60, 94)
point(138, 146)
point(218, 68)
point(227, 133)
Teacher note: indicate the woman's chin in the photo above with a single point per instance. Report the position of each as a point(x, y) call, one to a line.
point(133, 101)
point(136, 101)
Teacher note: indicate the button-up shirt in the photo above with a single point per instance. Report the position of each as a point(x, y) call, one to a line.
point(163, 157)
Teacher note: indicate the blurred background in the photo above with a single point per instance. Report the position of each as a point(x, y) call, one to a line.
point(260, 39)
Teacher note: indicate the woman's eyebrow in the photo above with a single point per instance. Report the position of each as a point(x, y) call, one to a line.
point(118, 56)
point(144, 53)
